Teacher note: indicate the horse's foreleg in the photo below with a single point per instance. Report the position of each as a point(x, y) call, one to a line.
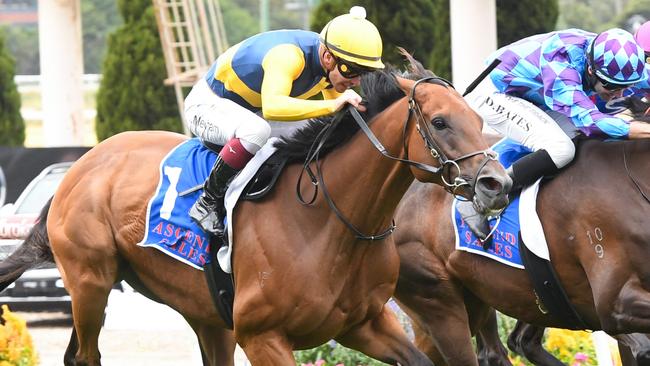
point(450, 332)
point(635, 349)
point(71, 350)
point(490, 349)
point(526, 340)
point(217, 344)
point(627, 357)
point(384, 338)
point(424, 343)
point(436, 304)
point(269, 348)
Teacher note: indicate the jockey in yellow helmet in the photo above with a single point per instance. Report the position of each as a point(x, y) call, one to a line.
point(271, 76)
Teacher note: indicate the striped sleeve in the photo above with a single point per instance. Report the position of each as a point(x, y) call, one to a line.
point(563, 92)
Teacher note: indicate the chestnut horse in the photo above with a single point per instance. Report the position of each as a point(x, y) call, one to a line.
point(595, 218)
point(301, 275)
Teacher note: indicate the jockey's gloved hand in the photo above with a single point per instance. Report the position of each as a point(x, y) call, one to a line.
point(635, 104)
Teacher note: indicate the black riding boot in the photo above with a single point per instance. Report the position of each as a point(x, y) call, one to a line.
point(209, 210)
point(528, 169)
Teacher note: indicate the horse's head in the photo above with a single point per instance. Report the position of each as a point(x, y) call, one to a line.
point(446, 133)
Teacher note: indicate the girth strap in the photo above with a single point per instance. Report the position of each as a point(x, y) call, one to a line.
point(220, 284)
point(549, 290)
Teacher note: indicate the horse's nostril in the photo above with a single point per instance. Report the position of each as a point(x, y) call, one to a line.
point(490, 184)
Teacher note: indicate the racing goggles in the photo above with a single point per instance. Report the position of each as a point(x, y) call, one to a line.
point(608, 85)
point(351, 70)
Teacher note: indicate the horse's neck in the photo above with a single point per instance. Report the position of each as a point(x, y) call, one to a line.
point(491, 138)
point(366, 185)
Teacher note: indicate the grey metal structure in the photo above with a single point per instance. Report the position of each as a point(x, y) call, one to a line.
point(192, 35)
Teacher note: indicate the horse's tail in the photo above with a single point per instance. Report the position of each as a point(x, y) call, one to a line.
point(34, 251)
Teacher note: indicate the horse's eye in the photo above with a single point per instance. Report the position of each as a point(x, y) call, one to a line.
point(439, 123)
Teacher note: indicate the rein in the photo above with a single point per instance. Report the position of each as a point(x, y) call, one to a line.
point(430, 142)
point(317, 179)
point(629, 174)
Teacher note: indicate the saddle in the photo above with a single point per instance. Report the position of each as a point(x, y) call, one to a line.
point(220, 283)
point(265, 178)
point(549, 292)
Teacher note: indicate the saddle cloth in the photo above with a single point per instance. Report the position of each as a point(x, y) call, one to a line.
point(168, 226)
point(520, 215)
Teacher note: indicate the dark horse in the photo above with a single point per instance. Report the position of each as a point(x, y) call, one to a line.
point(595, 218)
point(526, 339)
point(301, 275)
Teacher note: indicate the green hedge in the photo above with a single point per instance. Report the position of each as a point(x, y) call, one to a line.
point(131, 95)
point(12, 125)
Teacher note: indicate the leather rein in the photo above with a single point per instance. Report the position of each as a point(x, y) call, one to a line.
point(632, 178)
point(446, 165)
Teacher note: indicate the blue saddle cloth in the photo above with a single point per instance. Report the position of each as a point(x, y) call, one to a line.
point(505, 240)
point(169, 228)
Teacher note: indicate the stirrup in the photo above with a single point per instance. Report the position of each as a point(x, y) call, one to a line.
point(477, 222)
point(207, 217)
point(487, 242)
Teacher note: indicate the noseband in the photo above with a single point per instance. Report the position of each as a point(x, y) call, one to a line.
point(445, 168)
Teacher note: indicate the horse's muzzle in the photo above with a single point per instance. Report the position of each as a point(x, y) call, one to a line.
point(491, 192)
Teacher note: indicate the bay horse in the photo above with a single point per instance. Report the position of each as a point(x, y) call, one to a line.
point(595, 218)
point(301, 275)
point(526, 339)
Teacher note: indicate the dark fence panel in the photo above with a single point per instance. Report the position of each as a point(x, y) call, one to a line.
point(21, 164)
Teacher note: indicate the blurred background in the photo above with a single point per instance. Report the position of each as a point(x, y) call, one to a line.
point(120, 49)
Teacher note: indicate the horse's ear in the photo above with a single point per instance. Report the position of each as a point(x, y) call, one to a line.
point(405, 84)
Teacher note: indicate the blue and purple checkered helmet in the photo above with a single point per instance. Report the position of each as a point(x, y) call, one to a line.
point(617, 58)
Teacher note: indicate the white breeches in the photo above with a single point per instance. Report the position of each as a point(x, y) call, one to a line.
point(523, 122)
point(218, 120)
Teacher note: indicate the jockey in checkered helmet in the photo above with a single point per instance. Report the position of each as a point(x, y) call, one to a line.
point(616, 60)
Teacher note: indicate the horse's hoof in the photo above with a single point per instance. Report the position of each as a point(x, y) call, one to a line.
point(643, 358)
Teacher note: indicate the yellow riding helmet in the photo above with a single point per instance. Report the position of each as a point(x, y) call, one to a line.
point(354, 39)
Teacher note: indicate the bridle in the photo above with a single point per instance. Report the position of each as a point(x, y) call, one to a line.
point(447, 166)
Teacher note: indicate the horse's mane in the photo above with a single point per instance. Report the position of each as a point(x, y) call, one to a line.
point(379, 89)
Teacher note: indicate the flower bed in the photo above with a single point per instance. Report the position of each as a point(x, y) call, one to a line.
point(16, 348)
